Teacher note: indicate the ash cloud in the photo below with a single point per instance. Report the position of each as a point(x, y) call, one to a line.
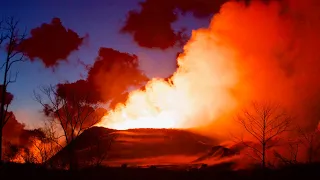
point(253, 51)
point(15, 132)
point(114, 72)
point(108, 80)
point(276, 46)
point(151, 26)
point(12, 129)
point(17, 137)
point(51, 43)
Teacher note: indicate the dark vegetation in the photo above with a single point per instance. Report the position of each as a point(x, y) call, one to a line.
point(221, 171)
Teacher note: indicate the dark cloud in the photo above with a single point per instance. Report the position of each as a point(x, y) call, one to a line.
point(51, 43)
point(151, 26)
point(108, 80)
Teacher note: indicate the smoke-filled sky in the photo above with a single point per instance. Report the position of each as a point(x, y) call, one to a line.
point(239, 51)
point(100, 23)
point(231, 58)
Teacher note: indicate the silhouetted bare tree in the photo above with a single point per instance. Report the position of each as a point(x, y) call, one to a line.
point(310, 141)
point(74, 114)
point(29, 156)
point(10, 39)
point(100, 149)
point(45, 143)
point(293, 149)
point(264, 123)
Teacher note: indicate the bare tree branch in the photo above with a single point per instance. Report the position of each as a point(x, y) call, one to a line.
point(10, 39)
point(311, 142)
point(264, 123)
point(73, 114)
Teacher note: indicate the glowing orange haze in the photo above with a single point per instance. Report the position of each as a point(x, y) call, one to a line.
point(199, 88)
point(247, 53)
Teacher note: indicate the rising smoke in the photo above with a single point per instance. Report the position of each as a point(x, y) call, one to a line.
point(262, 51)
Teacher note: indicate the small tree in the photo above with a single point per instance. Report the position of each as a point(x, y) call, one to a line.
point(74, 114)
point(44, 144)
point(292, 147)
point(100, 148)
point(264, 123)
point(10, 39)
point(11, 151)
point(311, 142)
point(29, 156)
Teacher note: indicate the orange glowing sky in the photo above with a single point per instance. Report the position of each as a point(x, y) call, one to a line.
point(247, 53)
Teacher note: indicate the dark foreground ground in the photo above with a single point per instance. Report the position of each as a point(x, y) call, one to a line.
point(35, 172)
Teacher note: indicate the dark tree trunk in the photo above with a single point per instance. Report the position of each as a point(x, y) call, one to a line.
point(1, 145)
point(263, 155)
point(2, 110)
point(73, 161)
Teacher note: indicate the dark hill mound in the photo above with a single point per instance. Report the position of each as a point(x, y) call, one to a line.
point(136, 146)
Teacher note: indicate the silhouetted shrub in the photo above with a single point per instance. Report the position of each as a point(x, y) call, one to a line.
point(124, 166)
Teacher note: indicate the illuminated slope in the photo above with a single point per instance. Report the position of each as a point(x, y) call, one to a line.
point(138, 146)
